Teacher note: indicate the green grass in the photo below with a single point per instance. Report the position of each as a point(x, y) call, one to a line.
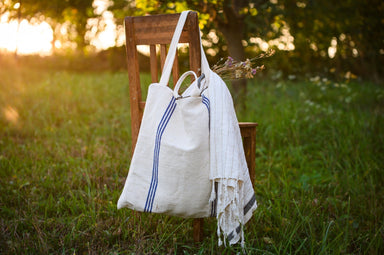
point(65, 151)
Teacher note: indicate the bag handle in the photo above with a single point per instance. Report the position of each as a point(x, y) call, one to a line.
point(181, 79)
point(172, 49)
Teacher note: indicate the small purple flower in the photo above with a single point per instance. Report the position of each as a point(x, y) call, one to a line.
point(254, 71)
point(229, 61)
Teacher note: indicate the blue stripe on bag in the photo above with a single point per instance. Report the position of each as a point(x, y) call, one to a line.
point(206, 102)
point(160, 130)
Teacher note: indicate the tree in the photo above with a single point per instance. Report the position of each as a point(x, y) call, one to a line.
point(354, 28)
point(233, 20)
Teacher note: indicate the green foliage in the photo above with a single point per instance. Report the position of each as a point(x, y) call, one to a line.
point(355, 26)
point(65, 152)
point(232, 21)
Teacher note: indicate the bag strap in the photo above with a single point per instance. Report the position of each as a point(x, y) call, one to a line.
point(204, 63)
point(172, 49)
point(172, 53)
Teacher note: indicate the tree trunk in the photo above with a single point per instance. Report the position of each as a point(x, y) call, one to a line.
point(233, 31)
point(236, 51)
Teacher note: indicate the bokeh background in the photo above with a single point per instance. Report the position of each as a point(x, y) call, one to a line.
point(65, 142)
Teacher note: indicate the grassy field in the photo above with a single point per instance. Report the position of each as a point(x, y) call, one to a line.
point(65, 151)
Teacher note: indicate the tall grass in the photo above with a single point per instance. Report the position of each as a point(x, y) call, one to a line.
point(65, 151)
point(320, 161)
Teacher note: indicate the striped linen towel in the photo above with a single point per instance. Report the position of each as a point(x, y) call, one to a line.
point(234, 194)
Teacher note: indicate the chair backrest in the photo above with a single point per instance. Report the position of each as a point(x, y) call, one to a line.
point(156, 30)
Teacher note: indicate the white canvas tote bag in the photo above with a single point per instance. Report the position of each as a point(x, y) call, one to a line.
point(169, 171)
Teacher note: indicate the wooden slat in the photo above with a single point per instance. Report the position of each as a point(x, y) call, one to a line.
point(134, 80)
point(161, 39)
point(163, 55)
point(175, 68)
point(194, 45)
point(157, 29)
point(153, 63)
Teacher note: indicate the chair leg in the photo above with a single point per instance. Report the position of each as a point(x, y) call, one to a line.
point(249, 151)
point(198, 229)
point(248, 132)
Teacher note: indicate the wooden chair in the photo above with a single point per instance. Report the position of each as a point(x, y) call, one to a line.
point(158, 30)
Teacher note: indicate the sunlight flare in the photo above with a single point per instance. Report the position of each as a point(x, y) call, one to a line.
point(37, 37)
point(11, 115)
point(26, 38)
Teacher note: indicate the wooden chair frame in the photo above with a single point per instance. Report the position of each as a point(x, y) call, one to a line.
point(158, 30)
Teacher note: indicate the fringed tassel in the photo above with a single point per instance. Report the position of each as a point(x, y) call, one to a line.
point(241, 191)
point(213, 192)
point(242, 237)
